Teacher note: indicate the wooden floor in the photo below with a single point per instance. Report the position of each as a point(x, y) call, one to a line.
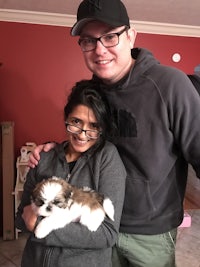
point(192, 197)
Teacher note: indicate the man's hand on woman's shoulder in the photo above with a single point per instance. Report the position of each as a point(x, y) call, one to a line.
point(35, 154)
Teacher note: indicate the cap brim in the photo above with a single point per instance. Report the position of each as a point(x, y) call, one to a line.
point(76, 29)
point(78, 26)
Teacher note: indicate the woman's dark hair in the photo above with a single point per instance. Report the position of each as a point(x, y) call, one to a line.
point(89, 93)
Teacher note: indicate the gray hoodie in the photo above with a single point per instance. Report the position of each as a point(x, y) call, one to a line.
point(158, 115)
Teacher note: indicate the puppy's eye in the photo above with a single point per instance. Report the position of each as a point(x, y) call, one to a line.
point(56, 202)
point(39, 202)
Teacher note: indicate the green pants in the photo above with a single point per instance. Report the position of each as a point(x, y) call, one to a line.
point(145, 250)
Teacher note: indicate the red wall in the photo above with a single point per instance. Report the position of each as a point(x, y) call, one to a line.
point(41, 63)
point(164, 46)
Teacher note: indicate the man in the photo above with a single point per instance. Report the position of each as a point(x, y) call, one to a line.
point(157, 111)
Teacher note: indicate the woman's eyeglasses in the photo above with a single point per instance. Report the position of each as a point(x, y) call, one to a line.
point(93, 134)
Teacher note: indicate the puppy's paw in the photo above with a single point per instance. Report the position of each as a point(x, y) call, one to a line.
point(109, 208)
point(43, 229)
point(92, 219)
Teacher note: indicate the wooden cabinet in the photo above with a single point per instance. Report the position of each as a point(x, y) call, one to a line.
point(7, 148)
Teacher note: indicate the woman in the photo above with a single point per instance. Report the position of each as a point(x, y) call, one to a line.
point(86, 159)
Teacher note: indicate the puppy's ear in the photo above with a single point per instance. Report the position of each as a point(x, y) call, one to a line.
point(67, 189)
point(68, 195)
point(68, 192)
point(35, 193)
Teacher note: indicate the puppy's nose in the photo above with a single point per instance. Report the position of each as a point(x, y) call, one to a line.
point(48, 208)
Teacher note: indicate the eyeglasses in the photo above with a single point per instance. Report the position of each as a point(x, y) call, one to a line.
point(93, 134)
point(107, 40)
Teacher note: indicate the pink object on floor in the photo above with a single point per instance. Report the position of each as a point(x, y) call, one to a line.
point(186, 220)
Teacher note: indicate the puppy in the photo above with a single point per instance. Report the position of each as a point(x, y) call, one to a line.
point(61, 203)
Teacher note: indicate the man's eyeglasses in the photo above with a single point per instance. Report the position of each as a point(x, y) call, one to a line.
point(107, 40)
point(93, 134)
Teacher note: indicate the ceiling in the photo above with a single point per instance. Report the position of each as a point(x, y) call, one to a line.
point(169, 11)
point(179, 12)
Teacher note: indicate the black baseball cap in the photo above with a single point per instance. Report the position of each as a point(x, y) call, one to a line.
point(111, 12)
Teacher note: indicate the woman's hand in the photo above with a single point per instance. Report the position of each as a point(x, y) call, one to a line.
point(29, 217)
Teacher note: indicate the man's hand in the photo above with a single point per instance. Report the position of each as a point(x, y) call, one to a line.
point(29, 217)
point(35, 154)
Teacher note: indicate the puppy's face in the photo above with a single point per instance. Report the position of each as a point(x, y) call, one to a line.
point(50, 195)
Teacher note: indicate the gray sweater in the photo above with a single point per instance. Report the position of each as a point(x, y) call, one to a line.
point(74, 245)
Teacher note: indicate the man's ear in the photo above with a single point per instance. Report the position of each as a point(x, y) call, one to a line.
point(132, 36)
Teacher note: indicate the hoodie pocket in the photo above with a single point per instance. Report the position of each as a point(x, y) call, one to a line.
point(138, 201)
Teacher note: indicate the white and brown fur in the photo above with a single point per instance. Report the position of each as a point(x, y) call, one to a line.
point(61, 203)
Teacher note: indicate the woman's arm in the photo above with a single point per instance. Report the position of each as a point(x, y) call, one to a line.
point(25, 217)
point(112, 176)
